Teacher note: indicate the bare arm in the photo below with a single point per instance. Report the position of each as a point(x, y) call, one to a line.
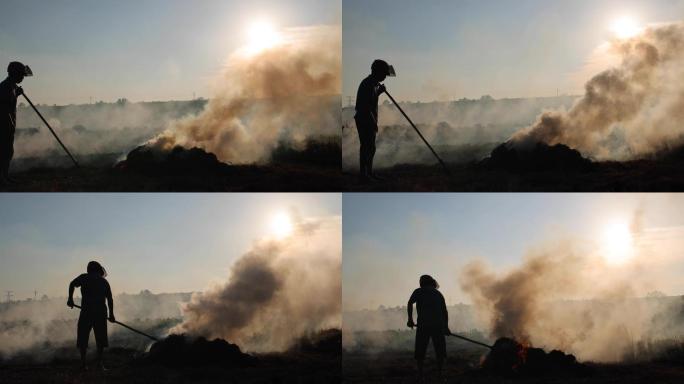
point(446, 317)
point(409, 309)
point(110, 303)
point(74, 283)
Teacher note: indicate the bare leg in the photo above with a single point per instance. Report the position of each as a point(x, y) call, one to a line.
point(100, 361)
point(83, 358)
point(362, 162)
point(420, 370)
point(440, 363)
point(4, 168)
point(369, 170)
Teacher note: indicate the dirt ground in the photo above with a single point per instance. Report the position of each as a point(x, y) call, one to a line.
point(247, 178)
point(635, 176)
point(126, 366)
point(463, 367)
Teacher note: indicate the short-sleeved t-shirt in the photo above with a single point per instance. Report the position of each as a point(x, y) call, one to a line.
point(94, 291)
point(367, 99)
point(431, 307)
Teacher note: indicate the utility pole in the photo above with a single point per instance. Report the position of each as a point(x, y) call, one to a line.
point(9, 295)
point(349, 101)
point(35, 294)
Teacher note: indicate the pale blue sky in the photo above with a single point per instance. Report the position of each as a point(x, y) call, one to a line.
point(391, 239)
point(138, 49)
point(445, 49)
point(161, 242)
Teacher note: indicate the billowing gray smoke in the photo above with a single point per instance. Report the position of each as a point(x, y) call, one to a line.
point(567, 296)
point(515, 299)
point(280, 290)
point(631, 111)
point(281, 94)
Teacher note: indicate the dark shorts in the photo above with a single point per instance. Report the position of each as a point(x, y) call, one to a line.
point(367, 132)
point(96, 322)
point(6, 142)
point(423, 336)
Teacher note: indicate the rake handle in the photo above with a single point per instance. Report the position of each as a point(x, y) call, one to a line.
point(466, 339)
point(419, 133)
point(471, 340)
point(51, 130)
point(128, 327)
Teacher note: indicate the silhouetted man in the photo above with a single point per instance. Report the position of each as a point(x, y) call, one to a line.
point(9, 92)
point(433, 321)
point(94, 291)
point(366, 116)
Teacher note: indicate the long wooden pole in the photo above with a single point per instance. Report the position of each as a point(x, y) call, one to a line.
point(51, 130)
point(418, 131)
point(126, 326)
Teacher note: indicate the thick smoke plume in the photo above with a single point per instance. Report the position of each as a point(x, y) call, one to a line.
point(514, 301)
point(631, 111)
point(286, 93)
point(277, 292)
point(567, 296)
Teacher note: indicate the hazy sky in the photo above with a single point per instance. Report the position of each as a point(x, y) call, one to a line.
point(140, 50)
point(392, 239)
point(161, 242)
point(445, 49)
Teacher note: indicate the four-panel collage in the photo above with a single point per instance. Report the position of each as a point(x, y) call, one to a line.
point(342, 191)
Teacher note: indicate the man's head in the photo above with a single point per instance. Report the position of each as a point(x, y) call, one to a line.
point(380, 69)
point(427, 281)
point(17, 71)
point(96, 268)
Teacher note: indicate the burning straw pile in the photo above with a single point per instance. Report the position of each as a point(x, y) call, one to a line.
point(540, 157)
point(151, 161)
point(180, 350)
point(511, 358)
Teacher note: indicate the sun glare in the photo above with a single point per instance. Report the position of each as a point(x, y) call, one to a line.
point(262, 35)
point(617, 242)
point(625, 28)
point(281, 225)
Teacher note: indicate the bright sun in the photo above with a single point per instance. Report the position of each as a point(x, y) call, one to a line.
point(617, 242)
point(625, 28)
point(262, 35)
point(281, 225)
